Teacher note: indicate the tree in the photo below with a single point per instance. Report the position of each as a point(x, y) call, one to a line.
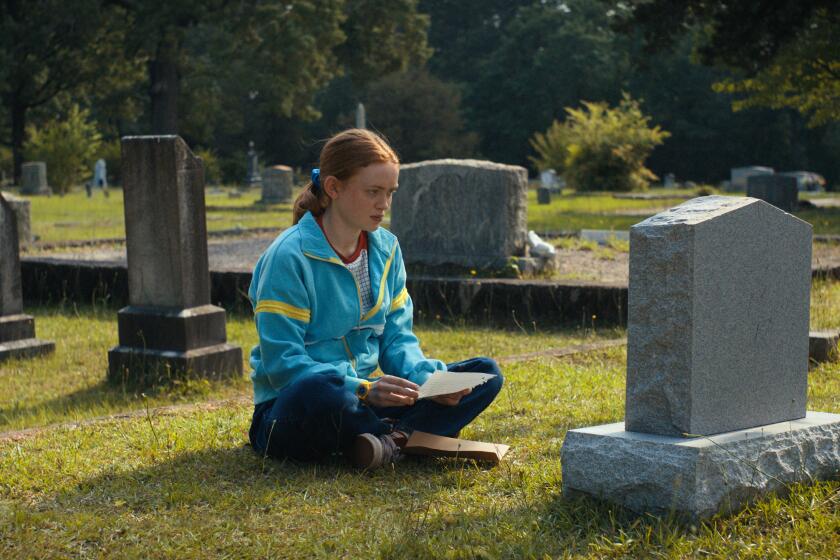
point(68, 146)
point(420, 116)
point(601, 148)
point(47, 48)
point(786, 51)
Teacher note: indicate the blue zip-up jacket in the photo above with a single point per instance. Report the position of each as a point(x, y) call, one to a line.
point(307, 308)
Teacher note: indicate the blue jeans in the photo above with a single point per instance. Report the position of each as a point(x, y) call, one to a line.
point(318, 416)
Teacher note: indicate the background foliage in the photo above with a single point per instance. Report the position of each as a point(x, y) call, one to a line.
point(438, 77)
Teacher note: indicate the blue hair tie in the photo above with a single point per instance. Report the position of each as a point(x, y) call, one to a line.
point(316, 178)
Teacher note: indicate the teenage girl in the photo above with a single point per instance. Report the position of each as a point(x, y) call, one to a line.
point(337, 368)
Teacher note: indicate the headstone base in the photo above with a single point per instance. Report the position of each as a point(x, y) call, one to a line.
point(136, 366)
point(25, 348)
point(822, 346)
point(16, 327)
point(695, 478)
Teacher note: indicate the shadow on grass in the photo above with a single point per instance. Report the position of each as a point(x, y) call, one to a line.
point(105, 399)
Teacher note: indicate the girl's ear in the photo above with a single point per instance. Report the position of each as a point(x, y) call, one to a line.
point(331, 186)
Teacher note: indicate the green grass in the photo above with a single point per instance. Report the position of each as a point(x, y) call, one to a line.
point(70, 384)
point(186, 485)
point(75, 217)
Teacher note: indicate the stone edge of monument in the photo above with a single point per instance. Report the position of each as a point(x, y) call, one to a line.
point(151, 367)
point(695, 478)
point(25, 348)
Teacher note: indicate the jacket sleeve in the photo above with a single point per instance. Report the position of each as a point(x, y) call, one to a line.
point(399, 349)
point(282, 311)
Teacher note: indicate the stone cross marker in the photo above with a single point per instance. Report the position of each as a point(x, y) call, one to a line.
point(718, 307)
point(17, 330)
point(277, 184)
point(33, 178)
point(461, 212)
point(779, 190)
point(717, 367)
point(169, 327)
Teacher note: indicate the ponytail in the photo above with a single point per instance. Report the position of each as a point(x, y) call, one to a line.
point(309, 200)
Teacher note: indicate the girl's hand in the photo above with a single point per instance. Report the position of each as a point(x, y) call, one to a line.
point(393, 391)
point(451, 399)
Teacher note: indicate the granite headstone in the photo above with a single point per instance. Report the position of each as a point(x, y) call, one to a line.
point(33, 178)
point(169, 328)
point(17, 330)
point(461, 212)
point(716, 368)
point(277, 182)
point(21, 208)
point(779, 190)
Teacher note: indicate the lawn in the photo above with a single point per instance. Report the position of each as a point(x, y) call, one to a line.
point(75, 217)
point(186, 485)
point(183, 482)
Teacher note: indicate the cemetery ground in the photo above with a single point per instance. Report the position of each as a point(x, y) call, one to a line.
point(93, 470)
point(89, 469)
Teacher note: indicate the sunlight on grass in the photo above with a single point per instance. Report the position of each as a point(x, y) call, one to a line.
point(187, 485)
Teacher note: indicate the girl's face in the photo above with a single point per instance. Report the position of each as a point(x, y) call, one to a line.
point(362, 200)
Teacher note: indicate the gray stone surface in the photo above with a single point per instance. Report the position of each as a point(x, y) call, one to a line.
point(21, 208)
point(460, 212)
point(253, 178)
point(169, 329)
point(778, 190)
point(718, 318)
point(696, 478)
point(822, 346)
point(33, 178)
point(543, 195)
point(17, 331)
point(165, 223)
point(11, 296)
point(277, 182)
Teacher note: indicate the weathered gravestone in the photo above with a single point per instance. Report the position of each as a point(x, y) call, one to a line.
point(778, 190)
point(169, 329)
point(21, 208)
point(33, 178)
point(17, 330)
point(277, 184)
point(543, 195)
point(361, 117)
point(461, 212)
point(253, 179)
point(717, 367)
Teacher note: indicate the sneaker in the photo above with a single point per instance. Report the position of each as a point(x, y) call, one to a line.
point(370, 451)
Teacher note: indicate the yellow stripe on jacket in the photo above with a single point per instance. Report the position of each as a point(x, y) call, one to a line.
point(400, 300)
point(273, 306)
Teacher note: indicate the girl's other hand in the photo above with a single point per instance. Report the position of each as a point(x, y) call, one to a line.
point(451, 399)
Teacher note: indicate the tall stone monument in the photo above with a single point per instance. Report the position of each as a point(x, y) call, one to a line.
point(361, 116)
point(779, 190)
point(717, 367)
point(21, 208)
point(33, 178)
point(253, 179)
point(461, 212)
point(169, 329)
point(277, 182)
point(17, 330)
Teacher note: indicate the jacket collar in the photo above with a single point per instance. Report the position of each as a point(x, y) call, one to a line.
point(314, 243)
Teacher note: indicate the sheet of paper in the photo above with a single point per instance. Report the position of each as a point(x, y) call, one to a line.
point(446, 382)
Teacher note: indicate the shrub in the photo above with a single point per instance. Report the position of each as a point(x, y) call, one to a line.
point(68, 147)
point(212, 169)
point(600, 148)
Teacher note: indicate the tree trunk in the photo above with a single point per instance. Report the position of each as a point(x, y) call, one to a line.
point(165, 83)
point(18, 136)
